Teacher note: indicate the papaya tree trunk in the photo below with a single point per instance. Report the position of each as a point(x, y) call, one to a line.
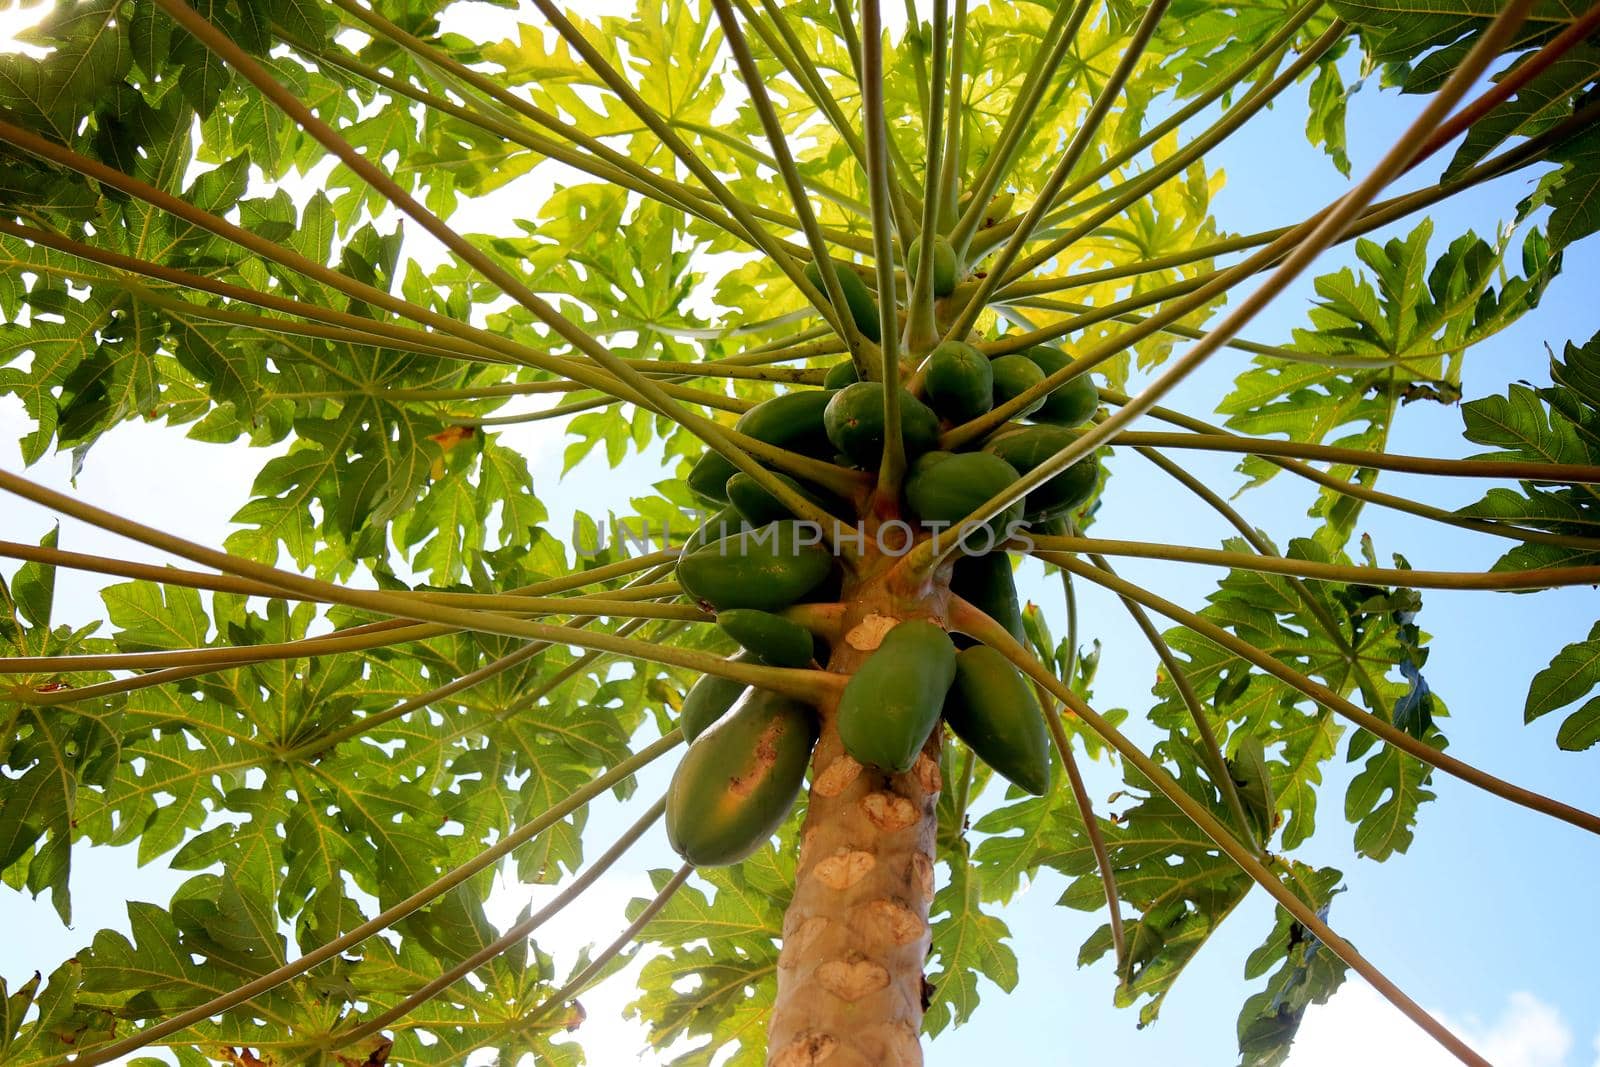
point(856, 936)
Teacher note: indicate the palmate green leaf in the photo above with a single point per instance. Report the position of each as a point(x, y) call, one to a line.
point(1571, 675)
point(1179, 885)
point(967, 943)
point(1270, 612)
point(1413, 322)
point(61, 1024)
point(55, 345)
point(232, 772)
point(1542, 103)
point(1174, 886)
point(1309, 973)
point(220, 929)
point(1397, 32)
point(1556, 424)
point(677, 42)
point(714, 977)
point(89, 54)
point(1206, 41)
point(495, 1012)
point(49, 756)
point(1573, 192)
point(306, 827)
point(638, 286)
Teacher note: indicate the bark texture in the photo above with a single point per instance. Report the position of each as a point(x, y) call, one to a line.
point(856, 936)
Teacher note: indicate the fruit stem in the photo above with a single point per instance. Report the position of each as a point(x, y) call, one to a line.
point(824, 620)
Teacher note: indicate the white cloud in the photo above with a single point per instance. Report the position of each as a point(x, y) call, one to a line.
point(1359, 1026)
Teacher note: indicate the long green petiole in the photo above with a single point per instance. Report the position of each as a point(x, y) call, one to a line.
point(1333, 701)
point(1082, 137)
point(807, 685)
point(974, 622)
point(893, 466)
point(1543, 578)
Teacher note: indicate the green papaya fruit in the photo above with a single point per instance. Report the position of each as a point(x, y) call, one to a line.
point(892, 702)
point(945, 487)
point(771, 638)
point(944, 264)
point(993, 709)
point(959, 383)
point(854, 421)
point(840, 375)
point(1013, 376)
point(758, 507)
point(791, 420)
point(863, 304)
point(708, 478)
point(1068, 404)
point(738, 780)
point(986, 582)
point(724, 523)
point(768, 568)
point(999, 207)
point(1025, 447)
point(709, 700)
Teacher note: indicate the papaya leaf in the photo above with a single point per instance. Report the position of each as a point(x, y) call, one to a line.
point(1421, 42)
point(1309, 973)
point(1571, 675)
point(714, 978)
point(1555, 424)
point(967, 943)
point(1412, 322)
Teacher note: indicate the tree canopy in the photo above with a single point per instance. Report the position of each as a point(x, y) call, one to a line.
point(360, 691)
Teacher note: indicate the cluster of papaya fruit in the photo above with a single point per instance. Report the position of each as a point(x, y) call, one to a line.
point(748, 746)
point(756, 565)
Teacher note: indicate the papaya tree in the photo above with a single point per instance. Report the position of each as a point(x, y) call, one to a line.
point(890, 309)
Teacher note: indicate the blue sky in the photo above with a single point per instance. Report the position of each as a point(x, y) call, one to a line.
point(1489, 920)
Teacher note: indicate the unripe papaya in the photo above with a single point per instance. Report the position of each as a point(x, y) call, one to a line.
point(959, 383)
point(709, 700)
point(986, 582)
point(1072, 402)
point(738, 780)
point(771, 638)
point(1013, 376)
point(890, 705)
point(768, 568)
point(854, 421)
point(724, 523)
point(944, 264)
point(708, 478)
point(863, 305)
point(758, 507)
point(946, 487)
point(993, 709)
point(840, 375)
point(999, 207)
point(1025, 447)
point(791, 420)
